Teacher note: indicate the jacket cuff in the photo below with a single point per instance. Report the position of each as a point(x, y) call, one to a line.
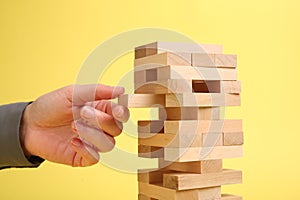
point(11, 152)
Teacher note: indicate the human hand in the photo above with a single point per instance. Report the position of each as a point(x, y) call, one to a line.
point(72, 124)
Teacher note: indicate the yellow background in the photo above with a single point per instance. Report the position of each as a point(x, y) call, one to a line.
point(43, 44)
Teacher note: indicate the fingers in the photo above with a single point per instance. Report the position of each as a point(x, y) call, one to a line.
point(93, 92)
point(121, 113)
point(102, 141)
point(109, 119)
point(85, 154)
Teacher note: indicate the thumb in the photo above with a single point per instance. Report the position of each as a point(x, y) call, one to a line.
point(94, 92)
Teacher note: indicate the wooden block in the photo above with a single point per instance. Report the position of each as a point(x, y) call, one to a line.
point(164, 87)
point(194, 73)
point(192, 167)
point(188, 181)
point(183, 47)
point(202, 100)
point(214, 60)
point(143, 197)
point(186, 86)
point(211, 139)
point(230, 197)
point(151, 175)
point(223, 197)
point(231, 87)
point(201, 167)
point(150, 152)
point(180, 140)
point(179, 100)
point(164, 59)
point(225, 60)
point(141, 100)
point(189, 113)
point(202, 153)
point(160, 47)
point(140, 77)
point(151, 75)
point(202, 126)
point(158, 140)
point(143, 52)
point(228, 87)
point(203, 86)
point(151, 126)
point(140, 52)
point(211, 166)
point(157, 191)
point(210, 193)
point(233, 138)
point(170, 140)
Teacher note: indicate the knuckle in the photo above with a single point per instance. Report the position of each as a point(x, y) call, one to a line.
point(69, 88)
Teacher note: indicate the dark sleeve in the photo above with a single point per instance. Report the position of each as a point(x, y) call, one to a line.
point(11, 152)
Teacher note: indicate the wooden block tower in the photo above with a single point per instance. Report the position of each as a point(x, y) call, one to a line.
point(189, 84)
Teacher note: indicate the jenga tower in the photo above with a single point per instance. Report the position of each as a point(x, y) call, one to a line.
point(189, 84)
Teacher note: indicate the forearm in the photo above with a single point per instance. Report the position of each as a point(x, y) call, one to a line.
point(11, 150)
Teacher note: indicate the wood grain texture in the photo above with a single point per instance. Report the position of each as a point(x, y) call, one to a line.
point(189, 113)
point(151, 175)
point(202, 153)
point(184, 86)
point(164, 87)
point(141, 100)
point(200, 167)
point(188, 181)
point(233, 138)
point(202, 100)
point(160, 47)
point(170, 140)
point(144, 197)
point(223, 197)
point(189, 126)
point(231, 87)
point(214, 60)
point(230, 197)
point(202, 126)
point(211, 139)
point(195, 73)
point(150, 151)
point(179, 100)
point(151, 126)
point(211, 166)
point(157, 191)
point(140, 77)
point(189, 83)
point(166, 58)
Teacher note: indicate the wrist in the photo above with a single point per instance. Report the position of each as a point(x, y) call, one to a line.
point(24, 132)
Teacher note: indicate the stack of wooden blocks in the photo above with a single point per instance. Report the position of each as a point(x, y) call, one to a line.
point(189, 84)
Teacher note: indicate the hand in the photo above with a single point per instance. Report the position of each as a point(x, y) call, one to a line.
point(72, 124)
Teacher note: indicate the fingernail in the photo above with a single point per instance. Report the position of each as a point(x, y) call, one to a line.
point(76, 142)
point(119, 112)
point(119, 89)
point(88, 112)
